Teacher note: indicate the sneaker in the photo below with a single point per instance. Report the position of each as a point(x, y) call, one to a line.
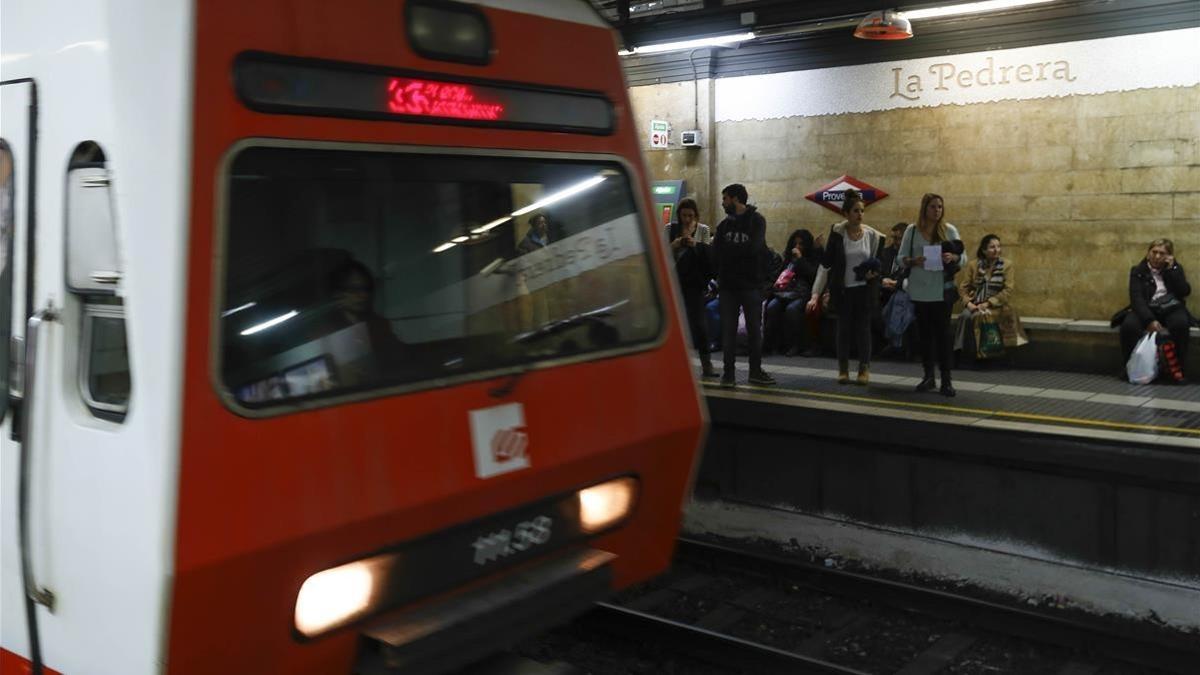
point(762, 377)
point(727, 381)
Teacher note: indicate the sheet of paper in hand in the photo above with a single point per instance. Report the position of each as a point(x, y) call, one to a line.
point(933, 257)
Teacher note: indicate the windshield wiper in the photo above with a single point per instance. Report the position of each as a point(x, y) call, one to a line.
point(595, 317)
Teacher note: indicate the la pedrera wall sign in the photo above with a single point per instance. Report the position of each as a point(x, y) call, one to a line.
point(1085, 67)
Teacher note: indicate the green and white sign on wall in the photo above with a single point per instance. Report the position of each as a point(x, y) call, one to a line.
point(660, 134)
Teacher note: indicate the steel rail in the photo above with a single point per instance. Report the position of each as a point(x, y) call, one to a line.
point(1167, 652)
point(704, 644)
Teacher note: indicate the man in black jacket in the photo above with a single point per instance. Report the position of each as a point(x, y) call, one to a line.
point(740, 247)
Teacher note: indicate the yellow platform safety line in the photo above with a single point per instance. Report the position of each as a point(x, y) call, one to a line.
point(941, 407)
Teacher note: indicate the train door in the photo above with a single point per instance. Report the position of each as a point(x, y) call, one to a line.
point(83, 541)
point(18, 112)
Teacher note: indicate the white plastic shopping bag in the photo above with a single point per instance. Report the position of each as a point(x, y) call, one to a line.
point(1142, 367)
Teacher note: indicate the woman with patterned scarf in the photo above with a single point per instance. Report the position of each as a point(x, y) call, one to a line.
point(986, 298)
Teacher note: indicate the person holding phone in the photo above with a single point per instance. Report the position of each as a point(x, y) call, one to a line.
point(693, 268)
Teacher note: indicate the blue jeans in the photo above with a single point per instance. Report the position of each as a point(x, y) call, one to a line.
point(712, 318)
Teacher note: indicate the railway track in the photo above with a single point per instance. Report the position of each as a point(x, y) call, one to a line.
point(708, 645)
point(758, 612)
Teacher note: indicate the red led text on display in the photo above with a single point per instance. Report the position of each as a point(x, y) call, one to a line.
point(439, 99)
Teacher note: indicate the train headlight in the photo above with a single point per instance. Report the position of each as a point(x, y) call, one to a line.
point(603, 505)
point(337, 595)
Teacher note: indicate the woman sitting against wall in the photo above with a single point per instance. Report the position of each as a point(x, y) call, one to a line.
point(986, 295)
point(1158, 289)
point(784, 328)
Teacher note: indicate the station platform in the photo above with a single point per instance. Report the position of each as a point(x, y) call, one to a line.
point(1066, 403)
point(1083, 468)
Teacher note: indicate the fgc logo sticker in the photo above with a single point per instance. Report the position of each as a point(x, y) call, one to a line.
point(509, 444)
point(499, 440)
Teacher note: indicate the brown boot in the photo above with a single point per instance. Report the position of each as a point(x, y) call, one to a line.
point(864, 374)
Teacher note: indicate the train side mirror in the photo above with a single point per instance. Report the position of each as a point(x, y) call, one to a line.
point(93, 266)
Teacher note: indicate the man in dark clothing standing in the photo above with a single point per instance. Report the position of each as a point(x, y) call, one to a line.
point(741, 253)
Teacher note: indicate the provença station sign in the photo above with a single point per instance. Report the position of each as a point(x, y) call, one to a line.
point(1122, 63)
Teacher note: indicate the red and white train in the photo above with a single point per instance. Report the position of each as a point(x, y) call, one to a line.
point(293, 383)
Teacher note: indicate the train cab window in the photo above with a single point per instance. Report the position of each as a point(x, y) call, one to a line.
point(94, 276)
point(6, 268)
point(104, 360)
point(349, 270)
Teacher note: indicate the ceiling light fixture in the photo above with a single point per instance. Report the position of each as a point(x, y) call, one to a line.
point(967, 8)
point(719, 41)
point(884, 25)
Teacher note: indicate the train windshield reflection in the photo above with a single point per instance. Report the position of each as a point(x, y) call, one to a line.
point(352, 270)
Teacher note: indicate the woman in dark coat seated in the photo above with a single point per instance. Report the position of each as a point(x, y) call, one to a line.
point(1158, 289)
point(784, 327)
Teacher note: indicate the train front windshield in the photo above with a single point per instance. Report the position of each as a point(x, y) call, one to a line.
point(349, 270)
